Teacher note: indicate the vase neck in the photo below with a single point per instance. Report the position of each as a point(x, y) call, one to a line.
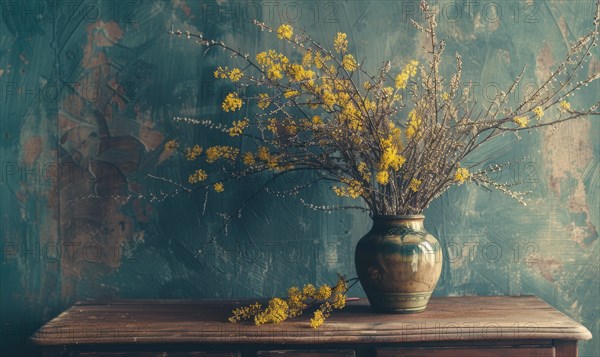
point(411, 221)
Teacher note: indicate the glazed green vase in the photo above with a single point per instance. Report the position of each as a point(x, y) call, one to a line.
point(398, 264)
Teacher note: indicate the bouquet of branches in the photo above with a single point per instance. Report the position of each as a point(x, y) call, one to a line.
point(396, 140)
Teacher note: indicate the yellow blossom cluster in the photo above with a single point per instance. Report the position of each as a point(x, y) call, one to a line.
point(272, 161)
point(337, 301)
point(297, 73)
point(383, 177)
point(274, 63)
point(390, 157)
point(198, 176)
point(231, 103)
point(363, 169)
point(249, 159)
point(263, 101)
point(340, 43)
point(349, 63)
point(328, 99)
point(461, 175)
point(245, 312)
point(234, 74)
point(414, 184)
point(276, 312)
point(193, 152)
point(564, 105)
point(171, 145)
point(353, 188)
point(409, 71)
point(285, 31)
point(352, 117)
point(272, 126)
point(521, 121)
point(238, 127)
point(413, 124)
point(539, 112)
point(214, 153)
point(320, 60)
point(289, 93)
point(218, 187)
point(279, 309)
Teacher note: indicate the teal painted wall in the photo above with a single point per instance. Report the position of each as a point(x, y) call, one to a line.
point(87, 94)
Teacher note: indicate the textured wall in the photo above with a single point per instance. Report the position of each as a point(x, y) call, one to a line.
point(87, 91)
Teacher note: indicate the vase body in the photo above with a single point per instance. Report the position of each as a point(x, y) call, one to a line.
point(398, 264)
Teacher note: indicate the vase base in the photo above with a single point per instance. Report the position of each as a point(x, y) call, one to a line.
point(399, 303)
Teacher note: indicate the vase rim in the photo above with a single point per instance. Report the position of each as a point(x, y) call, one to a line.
point(399, 216)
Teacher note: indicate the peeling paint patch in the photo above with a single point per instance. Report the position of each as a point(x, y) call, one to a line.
point(550, 269)
point(32, 149)
point(150, 137)
point(100, 34)
point(544, 63)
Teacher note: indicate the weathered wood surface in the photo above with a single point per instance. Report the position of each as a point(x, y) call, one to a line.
point(540, 351)
point(205, 321)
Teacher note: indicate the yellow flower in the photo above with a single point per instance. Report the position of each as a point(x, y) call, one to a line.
point(539, 112)
point(263, 101)
point(279, 310)
point(245, 313)
point(232, 102)
point(276, 312)
point(272, 126)
point(274, 72)
point(339, 300)
point(309, 290)
point(565, 105)
point(445, 96)
point(307, 59)
point(214, 153)
point(193, 152)
point(218, 187)
point(390, 157)
point(198, 176)
point(410, 70)
point(353, 189)
point(320, 61)
point(461, 175)
point(221, 72)
point(340, 43)
point(262, 58)
point(324, 292)
point(263, 153)
point(291, 93)
point(414, 122)
point(349, 63)
point(249, 159)
point(521, 121)
point(238, 127)
point(285, 31)
point(328, 99)
point(363, 169)
point(383, 177)
point(414, 185)
point(235, 75)
point(317, 320)
point(171, 145)
point(292, 129)
point(316, 120)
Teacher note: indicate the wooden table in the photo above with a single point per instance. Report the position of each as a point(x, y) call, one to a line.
point(451, 326)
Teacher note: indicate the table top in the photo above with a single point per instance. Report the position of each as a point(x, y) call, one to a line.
point(205, 322)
